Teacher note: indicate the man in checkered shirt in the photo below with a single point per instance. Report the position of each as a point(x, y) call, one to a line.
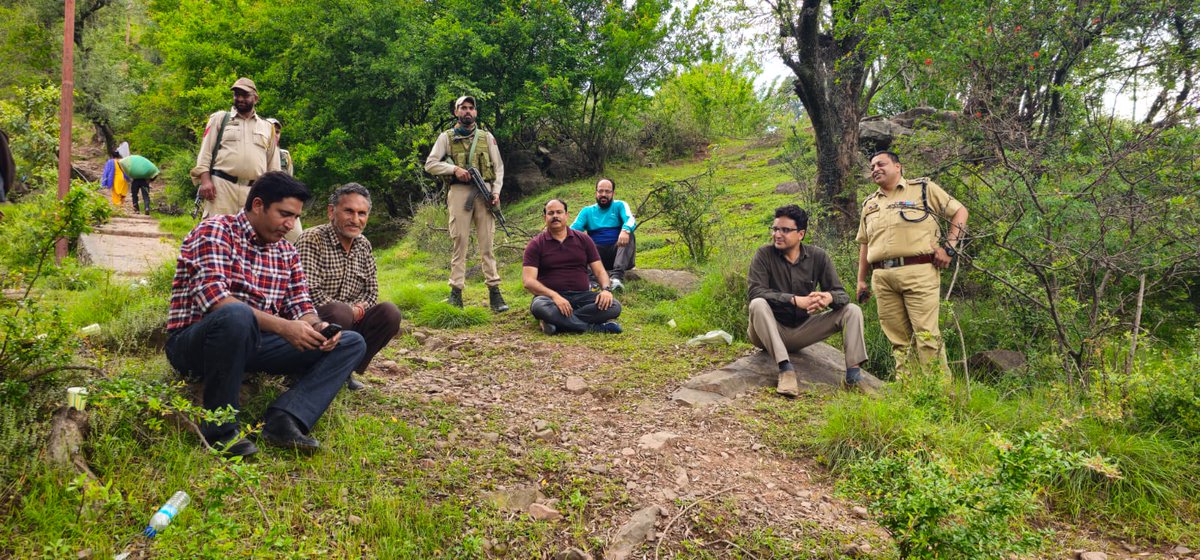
point(239, 303)
point(342, 276)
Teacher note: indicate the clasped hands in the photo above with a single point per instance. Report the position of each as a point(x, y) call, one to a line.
point(814, 302)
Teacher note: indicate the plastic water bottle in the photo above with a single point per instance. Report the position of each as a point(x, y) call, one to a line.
point(166, 513)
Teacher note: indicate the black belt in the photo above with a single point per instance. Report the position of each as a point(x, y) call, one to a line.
point(228, 177)
point(902, 261)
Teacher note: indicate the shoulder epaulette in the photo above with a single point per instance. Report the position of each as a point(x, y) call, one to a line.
point(919, 181)
point(868, 199)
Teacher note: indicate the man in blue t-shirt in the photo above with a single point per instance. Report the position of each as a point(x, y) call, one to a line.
point(610, 224)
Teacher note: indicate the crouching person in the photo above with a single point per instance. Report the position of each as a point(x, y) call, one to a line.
point(342, 277)
point(239, 303)
point(555, 271)
point(788, 313)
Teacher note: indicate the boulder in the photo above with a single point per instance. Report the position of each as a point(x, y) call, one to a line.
point(880, 133)
point(818, 367)
point(789, 187)
point(517, 499)
point(911, 117)
point(993, 364)
point(681, 280)
point(633, 533)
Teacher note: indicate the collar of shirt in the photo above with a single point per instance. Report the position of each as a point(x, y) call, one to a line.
point(253, 114)
point(783, 255)
point(247, 229)
point(570, 234)
point(331, 237)
point(899, 187)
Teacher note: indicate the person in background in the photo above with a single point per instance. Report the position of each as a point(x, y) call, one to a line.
point(114, 179)
point(610, 224)
point(555, 270)
point(454, 152)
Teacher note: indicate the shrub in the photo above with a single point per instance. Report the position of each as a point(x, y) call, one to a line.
point(428, 230)
point(179, 192)
point(1164, 393)
point(689, 208)
point(933, 510)
point(31, 121)
point(33, 339)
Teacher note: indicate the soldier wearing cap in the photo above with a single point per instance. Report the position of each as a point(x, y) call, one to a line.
point(900, 245)
point(456, 150)
point(238, 147)
point(285, 157)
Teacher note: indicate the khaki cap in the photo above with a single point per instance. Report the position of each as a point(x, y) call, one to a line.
point(245, 84)
point(458, 102)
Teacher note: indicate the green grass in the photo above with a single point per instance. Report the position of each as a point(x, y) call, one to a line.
point(1151, 499)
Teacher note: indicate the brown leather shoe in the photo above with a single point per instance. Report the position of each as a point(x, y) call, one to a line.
point(788, 385)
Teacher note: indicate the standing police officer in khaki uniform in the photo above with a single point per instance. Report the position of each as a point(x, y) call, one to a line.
point(455, 150)
point(247, 150)
point(899, 242)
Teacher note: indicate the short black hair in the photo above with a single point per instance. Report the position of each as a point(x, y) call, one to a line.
point(890, 154)
point(349, 188)
point(610, 181)
point(796, 213)
point(558, 200)
point(275, 186)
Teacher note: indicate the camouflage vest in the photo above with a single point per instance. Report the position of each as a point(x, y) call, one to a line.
point(460, 148)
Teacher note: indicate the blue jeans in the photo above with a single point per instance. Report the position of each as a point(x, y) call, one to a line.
point(227, 343)
point(584, 315)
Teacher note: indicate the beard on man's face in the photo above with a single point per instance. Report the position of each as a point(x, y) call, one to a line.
point(603, 202)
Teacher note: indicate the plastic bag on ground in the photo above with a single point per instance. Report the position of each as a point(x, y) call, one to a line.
point(711, 337)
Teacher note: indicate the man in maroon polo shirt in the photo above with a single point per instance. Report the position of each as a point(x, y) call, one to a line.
point(555, 271)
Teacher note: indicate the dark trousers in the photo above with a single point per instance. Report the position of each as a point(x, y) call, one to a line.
point(584, 315)
point(227, 343)
point(617, 260)
point(142, 185)
point(378, 326)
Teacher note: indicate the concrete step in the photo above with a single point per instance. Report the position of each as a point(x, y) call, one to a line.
point(125, 254)
point(132, 227)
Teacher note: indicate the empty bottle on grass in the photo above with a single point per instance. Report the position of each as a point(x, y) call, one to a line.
point(166, 513)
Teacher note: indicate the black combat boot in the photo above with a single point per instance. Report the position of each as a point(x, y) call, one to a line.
point(456, 297)
point(496, 300)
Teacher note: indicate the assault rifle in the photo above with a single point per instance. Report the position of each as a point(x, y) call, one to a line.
point(481, 189)
point(196, 207)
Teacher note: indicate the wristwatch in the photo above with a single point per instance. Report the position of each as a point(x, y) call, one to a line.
point(606, 289)
point(950, 251)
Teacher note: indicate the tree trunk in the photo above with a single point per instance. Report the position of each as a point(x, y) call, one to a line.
point(831, 74)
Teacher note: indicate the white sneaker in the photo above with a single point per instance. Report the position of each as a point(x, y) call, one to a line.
point(615, 284)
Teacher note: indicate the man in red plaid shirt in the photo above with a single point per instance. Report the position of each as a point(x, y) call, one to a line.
point(239, 303)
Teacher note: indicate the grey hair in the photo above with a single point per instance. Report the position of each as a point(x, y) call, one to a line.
point(349, 188)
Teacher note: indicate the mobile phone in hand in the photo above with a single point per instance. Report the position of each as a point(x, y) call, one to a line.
point(863, 295)
point(330, 330)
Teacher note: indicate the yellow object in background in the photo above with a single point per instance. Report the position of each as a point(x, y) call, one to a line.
point(120, 187)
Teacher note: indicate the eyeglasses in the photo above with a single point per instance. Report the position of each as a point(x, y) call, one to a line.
point(783, 230)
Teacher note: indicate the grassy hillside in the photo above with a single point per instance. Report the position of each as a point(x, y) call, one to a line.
point(455, 417)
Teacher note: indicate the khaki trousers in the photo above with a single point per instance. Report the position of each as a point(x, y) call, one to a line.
point(908, 299)
point(460, 234)
point(766, 333)
point(231, 198)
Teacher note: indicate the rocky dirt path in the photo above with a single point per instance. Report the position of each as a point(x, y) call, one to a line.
point(663, 454)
